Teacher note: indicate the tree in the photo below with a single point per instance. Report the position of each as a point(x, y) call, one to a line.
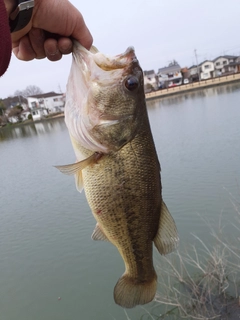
point(173, 63)
point(2, 107)
point(16, 113)
point(29, 91)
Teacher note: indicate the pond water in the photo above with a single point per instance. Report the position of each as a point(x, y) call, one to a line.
point(49, 266)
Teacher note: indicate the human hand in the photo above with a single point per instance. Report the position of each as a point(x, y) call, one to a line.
point(53, 24)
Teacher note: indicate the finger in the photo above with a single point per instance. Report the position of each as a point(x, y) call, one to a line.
point(51, 50)
point(81, 32)
point(37, 39)
point(67, 22)
point(23, 49)
point(65, 45)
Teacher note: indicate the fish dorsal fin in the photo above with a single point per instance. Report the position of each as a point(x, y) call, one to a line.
point(71, 169)
point(166, 239)
point(98, 234)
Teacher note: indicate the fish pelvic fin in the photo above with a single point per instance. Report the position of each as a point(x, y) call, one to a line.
point(98, 234)
point(166, 239)
point(71, 169)
point(130, 292)
point(79, 181)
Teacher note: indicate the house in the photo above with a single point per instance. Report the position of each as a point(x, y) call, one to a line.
point(38, 113)
point(150, 80)
point(206, 69)
point(51, 101)
point(194, 73)
point(12, 102)
point(233, 66)
point(224, 64)
point(171, 75)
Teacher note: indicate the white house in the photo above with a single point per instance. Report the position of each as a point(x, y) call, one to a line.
point(51, 101)
point(38, 113)
point(220, 64)
point(150, 80)
point(207, 69)
point(171, 75)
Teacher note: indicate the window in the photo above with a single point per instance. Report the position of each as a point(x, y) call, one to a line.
point(34, 104)
point(218, 64)
point(225, 62)
point(207, 66)
point(55, 99)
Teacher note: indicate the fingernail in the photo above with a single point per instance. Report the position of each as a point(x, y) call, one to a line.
point(53, 53)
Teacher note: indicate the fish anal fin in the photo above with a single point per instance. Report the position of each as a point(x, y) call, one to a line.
point(71, 169)
point(98, 234)
point(166, 239)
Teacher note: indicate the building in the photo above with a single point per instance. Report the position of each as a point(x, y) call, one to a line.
point(233, 66)
point(170, 76)
point(12, 102)
point(150, 81)
point(52, 102)
point(38, 113)
point(194, 73)
point(206, 69)
point(222, 64)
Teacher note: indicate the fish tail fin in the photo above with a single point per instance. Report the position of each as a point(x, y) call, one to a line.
point(130, 292)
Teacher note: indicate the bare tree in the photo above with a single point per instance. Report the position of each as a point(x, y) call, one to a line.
point(173, 63)
point(29, 91)
point(16, 113)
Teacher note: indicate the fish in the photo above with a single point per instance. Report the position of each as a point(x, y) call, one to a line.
point(117, 165)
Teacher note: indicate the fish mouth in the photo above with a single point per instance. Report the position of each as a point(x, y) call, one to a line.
point(92, 62)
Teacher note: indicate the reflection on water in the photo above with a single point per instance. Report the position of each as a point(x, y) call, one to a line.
point(46, 249)
point(30, 129)
point(191, 95)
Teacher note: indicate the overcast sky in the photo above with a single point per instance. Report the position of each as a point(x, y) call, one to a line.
point(159, 30)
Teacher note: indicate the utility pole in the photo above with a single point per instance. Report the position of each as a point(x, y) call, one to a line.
point(195, 51)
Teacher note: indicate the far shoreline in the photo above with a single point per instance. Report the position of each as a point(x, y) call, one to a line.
point(203, 84)
point(194, 86)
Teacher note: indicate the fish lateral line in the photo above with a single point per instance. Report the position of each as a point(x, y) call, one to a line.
point(74, 168)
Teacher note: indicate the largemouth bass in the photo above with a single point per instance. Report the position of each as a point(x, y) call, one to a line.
point(117, 165)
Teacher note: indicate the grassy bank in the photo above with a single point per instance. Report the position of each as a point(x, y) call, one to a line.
point(201, 281)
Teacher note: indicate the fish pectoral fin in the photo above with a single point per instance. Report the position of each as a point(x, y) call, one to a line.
point(98, 234)
point(166, 239)
point(73, 168)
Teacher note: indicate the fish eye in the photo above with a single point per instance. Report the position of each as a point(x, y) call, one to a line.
point(131, 83)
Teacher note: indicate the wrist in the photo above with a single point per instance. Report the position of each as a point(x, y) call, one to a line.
point(10, 5)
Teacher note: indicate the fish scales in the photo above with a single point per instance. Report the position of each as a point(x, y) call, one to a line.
point(116, 202)
point(118, 167)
